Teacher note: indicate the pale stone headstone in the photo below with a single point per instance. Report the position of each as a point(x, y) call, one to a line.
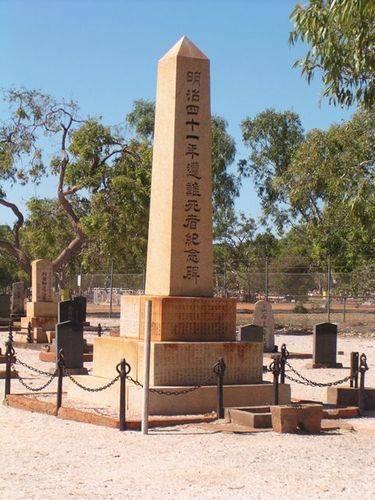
point(263, 316)
point(4, 306)
point(42, 281)
point(325, 344)
point(18, 298)
point(251, 333)
point(179, 254)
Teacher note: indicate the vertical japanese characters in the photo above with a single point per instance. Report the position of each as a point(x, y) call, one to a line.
point(192, 176)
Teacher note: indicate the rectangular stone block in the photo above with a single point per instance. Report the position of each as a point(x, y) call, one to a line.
point(69, 338)
point(348, 396)
point(181, 363)
point(180, 318)
point(251, 333)
point(41, 309)
point(42, 281)
point(46, 323)
point(4, 305)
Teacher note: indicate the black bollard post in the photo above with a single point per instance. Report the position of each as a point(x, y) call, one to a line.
point(354, 362)
point(60, 376)
point(219, 370)
point(363, 367)
point(9, 353)
point(275, 367)
point(123, 369)
point(100, 331)
point(10, 333)
point(29, 333)
point(284, 357)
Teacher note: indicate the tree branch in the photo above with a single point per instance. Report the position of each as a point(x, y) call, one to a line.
point(18, 254)
point(20, 220)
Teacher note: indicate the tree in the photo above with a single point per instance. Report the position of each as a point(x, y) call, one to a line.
point(88, 150)
point(320, 183)
point(272, 138)
point(340, 36)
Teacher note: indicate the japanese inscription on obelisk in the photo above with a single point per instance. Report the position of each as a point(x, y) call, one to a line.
point(179, 256)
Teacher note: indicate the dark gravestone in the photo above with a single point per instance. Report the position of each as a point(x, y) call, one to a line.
point(72, 310)
point(325, 346)
point(69, 338)
point(4, 306)
point(251, 333)
point(18, 299)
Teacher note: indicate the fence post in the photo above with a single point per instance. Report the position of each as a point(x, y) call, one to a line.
point(60, 375)
point(354, 363)
point(275, 367)
point(29, 333)
point(344, 312)
point(219, 370)
point(146, 361)
point(111, 290)
point(123, 369)
point(100, 331)
point(284, 357)
point(9, 353)
point(363, 367)
point(329, 289)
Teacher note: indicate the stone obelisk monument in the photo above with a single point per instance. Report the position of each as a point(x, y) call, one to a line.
point(190, 328)
point(179, 256)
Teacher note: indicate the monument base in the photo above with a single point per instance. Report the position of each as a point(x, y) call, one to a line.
point(199, 401)
point(45, 322)
point(179, 318)
point(325, 365)
point(180, 363)
point(348, 396)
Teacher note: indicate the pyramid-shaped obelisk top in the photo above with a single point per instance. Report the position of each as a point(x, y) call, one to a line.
point(184, 48)
point(179, 253)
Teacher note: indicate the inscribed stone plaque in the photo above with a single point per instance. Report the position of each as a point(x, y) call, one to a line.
point(69, 338)
point(251, 333)
point(263, 316)
point(325, 343)
point(4, 306)
point(18, 297)
point(41, 281)
point(179, 253)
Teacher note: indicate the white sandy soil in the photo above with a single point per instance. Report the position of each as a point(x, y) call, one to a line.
point(43, 457)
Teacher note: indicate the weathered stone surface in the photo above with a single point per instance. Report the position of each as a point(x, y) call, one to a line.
point(263, 316)
point(288, 419)
point(348, 396)
point(255, 417)
point(47, 323)
point(41, 309)
point(181, 363)
point(179, 254)
point(18, 298)
point(4, 306)
point(180, 318)
point(69, 338)
point(251, 333)
point(42, 281)
point(325, 344)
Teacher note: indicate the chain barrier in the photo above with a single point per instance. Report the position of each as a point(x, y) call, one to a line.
point(31, 368)
point(36, 389)
point(90, 389)
point(312, 383)
point(179, 392)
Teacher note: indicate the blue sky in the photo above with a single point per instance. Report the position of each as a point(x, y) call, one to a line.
point(103, 54)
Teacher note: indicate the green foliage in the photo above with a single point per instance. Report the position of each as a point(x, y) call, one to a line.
point(141, 119)
point(340, 37)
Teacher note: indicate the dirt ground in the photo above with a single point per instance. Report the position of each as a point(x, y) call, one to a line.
point(43, 457)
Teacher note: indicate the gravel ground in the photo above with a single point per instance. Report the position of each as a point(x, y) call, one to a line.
point(47, 458)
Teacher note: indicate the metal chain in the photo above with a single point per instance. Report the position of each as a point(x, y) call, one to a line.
point(179, 392)
point(35, 389)
point(36, 370)
point(306, 381)
point(91, 389)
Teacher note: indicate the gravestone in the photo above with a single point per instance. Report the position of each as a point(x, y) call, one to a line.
point(251, 333)
point(41, 312)
point(72, 310)
point(69, 338)
point(263, 316)
point(4, 306)
point(325, 346)
point(18, 298)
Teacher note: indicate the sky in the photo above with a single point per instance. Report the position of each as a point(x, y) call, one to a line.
point(104, 54)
